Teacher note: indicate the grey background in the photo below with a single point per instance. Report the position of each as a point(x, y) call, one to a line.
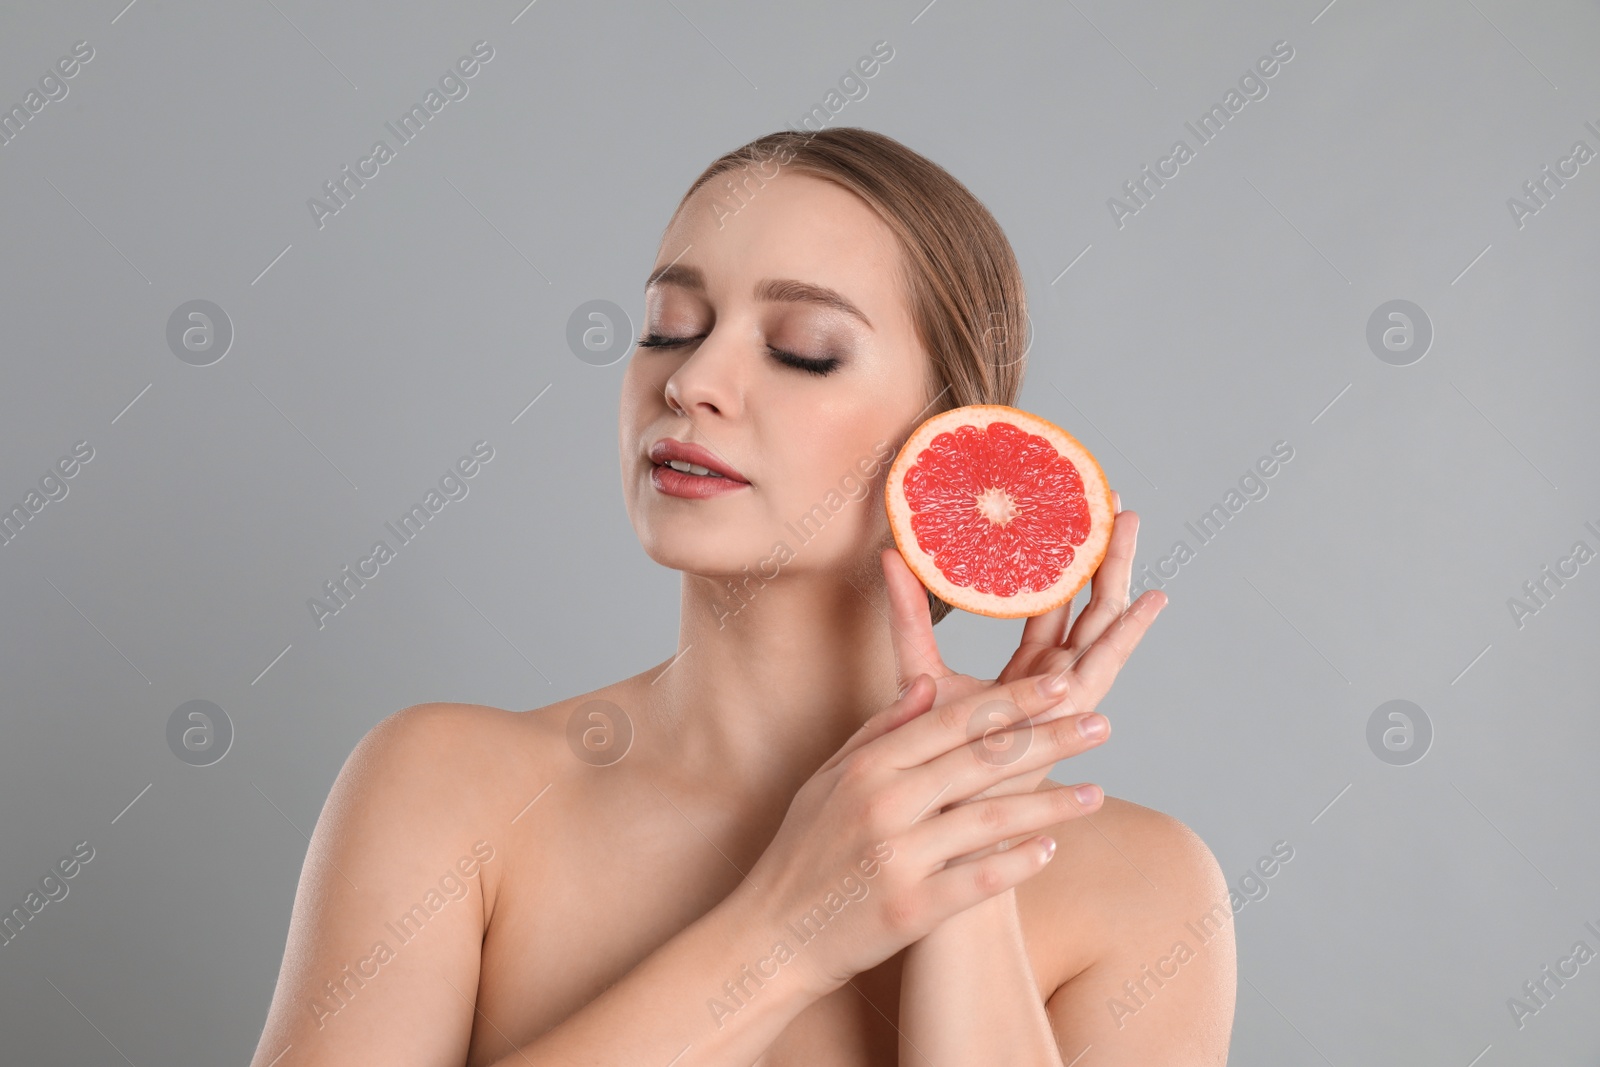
point(1228, 314)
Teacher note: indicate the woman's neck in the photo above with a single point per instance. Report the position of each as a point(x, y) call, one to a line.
point(765, 687)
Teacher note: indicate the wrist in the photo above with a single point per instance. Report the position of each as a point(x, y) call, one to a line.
point(768, 957)
point(983, 923)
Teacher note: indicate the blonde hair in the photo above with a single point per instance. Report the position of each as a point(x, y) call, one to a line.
point(958, 270)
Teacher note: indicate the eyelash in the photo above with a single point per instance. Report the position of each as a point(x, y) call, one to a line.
point(819, 367)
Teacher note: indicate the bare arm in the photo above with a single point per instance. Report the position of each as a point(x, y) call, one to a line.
point(384, 943)
point(1147, 895)
point(1162, 985)
point(968, 993)
point(677, 1006)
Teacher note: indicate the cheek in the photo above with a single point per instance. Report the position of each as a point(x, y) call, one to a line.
point(638, 387)
point(845, 439)
point(634, 378)
point(634, 416)
point(838, 468)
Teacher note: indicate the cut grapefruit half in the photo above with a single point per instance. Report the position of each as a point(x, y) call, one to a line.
point(998, 511)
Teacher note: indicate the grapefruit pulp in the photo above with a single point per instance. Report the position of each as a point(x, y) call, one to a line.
point(997, 511)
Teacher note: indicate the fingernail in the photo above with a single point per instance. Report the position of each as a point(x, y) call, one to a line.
point(1049, 848)
point(1092, 726)
point(1086, 794)
point(1054, 685)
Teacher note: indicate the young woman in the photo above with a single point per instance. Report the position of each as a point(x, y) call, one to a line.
point(802, 839)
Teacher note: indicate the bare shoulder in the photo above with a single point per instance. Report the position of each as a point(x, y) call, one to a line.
point(408, 859)
point(476, 754)
point(459, 735)
point(1124, 844)
point(1134, 899)
point(465, 750)
point(450, 771)
point(1120, 871)
point(410, 840)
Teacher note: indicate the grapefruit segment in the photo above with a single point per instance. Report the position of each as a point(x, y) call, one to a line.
point(998, 511)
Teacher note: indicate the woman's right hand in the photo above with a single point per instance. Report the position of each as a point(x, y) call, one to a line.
point(858, 869)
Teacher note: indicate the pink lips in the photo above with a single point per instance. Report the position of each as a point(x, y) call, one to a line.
point(691, 486)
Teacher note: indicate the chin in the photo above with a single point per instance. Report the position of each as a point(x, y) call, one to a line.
point(698, 544)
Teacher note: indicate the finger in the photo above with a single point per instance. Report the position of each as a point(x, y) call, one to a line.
point(1044, 631)
point(958, 888)
point(1029, 748)
point(1112, 581)
point(1023, 782)
point(1049, 630)
point(1093, 670)
point(910, 624)
point(950, 727)
point(916, 700)
point(944, 838)
point(1076, 801)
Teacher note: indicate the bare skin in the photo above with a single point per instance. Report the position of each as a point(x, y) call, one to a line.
point(575, 898)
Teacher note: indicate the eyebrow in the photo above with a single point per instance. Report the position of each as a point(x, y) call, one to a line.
point(778, 290)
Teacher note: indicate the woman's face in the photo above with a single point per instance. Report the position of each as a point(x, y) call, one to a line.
point(746, 288)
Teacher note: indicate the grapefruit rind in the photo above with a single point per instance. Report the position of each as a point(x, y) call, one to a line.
point(1087, 556)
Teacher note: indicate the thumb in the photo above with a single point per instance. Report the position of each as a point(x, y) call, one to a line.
point(910, 624)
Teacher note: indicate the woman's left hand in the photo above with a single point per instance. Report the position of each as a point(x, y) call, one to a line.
point(1090, 654)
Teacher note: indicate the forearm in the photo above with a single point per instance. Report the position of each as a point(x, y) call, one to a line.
point(968, 994)
point(709, 997)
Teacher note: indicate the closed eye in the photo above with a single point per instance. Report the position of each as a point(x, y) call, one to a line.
point(819, 367)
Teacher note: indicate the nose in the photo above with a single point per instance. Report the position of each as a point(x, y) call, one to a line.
point(709, 381)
